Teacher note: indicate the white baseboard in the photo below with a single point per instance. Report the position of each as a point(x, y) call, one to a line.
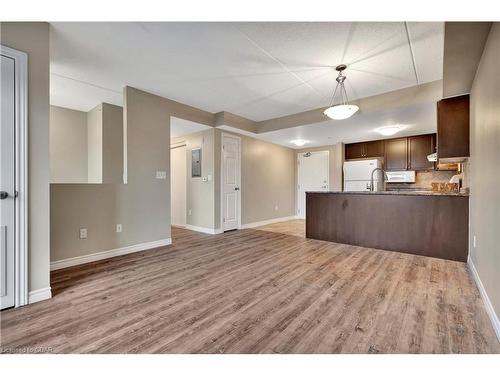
point(69, 262)
point(266, 222)
point(487, 302)
point(203, 229)
point(39, 295)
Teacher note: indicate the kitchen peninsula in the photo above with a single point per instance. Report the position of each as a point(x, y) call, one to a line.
point(421, 223)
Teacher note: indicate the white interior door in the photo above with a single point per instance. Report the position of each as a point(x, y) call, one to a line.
point(313, 172)
point(7, 183)
point(231, 177)
point(178, 185)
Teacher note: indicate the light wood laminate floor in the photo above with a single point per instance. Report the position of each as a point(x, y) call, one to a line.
point(291, 227)
point(257, 291)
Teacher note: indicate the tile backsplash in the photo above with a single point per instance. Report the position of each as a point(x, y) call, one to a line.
point(424, 179)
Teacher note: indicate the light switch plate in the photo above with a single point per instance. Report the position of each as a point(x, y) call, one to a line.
point(118, 228)
point(161, 175)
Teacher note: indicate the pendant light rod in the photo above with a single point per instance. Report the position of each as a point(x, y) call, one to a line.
point(342, 110)
point(340, 85)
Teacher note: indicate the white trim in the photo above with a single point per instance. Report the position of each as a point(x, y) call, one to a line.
point(39, 295)
point(125, 139)
point(266, 222)
point(487, 302)
point(223, 134)
point(203, 229)
point(21, 184)
point(69, 262)
point(302, 153)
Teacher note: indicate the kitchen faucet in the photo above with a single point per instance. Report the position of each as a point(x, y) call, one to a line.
point(372, 187)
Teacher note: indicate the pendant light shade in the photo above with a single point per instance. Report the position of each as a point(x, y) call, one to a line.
point(342, 110)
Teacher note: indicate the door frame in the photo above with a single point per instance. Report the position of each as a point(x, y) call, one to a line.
point(227, 135)
point(327, 152)
point(21, 172)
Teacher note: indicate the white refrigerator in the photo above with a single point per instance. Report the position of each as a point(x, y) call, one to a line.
point(357, 175)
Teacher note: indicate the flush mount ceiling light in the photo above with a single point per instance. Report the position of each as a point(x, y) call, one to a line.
point(342, 110)
point(299, 142)
point(388, 130)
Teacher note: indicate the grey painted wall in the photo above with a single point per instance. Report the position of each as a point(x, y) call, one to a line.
point(68, 145)
point(73, 159)
point(484, 176)
point(267, 180)
point(112, 144)
point(94, 144)
point(142, 205)
point(33, 38)
point(200, 199)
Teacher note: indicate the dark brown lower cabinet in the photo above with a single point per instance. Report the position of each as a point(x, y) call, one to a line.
point(430, 225)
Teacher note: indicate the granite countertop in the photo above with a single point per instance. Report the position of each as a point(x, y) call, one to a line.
point(397, 192)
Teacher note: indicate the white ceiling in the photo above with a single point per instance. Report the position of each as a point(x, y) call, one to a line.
point(415, 119)
point(180, 127)
point(255, 70)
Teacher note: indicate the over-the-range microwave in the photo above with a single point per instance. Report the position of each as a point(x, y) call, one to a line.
point(400, 176)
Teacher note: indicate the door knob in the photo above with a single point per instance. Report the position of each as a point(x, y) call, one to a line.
point(4, 195)
point(236, 188)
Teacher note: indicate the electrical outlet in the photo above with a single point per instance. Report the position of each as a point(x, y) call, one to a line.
point(474, 241)
point(118, 228)
point(83, 233)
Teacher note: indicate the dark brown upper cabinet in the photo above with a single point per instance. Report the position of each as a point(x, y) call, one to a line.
point(360, 150)
point(453, 127)
point(418, 148)
point(396, 154)
point(405, 153)
point(374, 149)
point(355, 150)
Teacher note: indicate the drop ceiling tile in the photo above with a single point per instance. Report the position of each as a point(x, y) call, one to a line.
point(428, 40)
point(263, 70)
point(300, 45)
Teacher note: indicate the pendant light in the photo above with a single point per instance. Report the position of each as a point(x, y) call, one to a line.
point(342, 110)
